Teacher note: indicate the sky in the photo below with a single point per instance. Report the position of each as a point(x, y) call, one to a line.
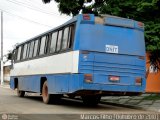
point(24, 19)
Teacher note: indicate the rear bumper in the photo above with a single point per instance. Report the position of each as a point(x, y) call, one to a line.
point(115, 88)
point(78, 84)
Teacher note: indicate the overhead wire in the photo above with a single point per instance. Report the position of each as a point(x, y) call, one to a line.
point(29, 20)
point(33, 8)
point(38, 5)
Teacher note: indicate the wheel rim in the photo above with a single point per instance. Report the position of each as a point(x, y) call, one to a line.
point(45, 94)
point(45, 91)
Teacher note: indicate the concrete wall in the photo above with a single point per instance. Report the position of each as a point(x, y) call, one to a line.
point(6, 71)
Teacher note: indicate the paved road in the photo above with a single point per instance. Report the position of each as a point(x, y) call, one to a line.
point(31, 105)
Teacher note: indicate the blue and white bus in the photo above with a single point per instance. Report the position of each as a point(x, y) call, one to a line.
point(88, 56)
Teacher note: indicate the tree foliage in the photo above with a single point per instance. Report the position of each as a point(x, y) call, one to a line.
point(147, 11)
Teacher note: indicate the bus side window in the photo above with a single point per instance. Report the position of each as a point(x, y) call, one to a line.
point(31, 49)
point(47, 44)
point(71, 36)
point(19, 53)
point(24, 51)
point(35, 48)
point(53, 42)
point(28, 49)
point(65, 38)
point(14, 55)
point(42, 45)
point(59, 40)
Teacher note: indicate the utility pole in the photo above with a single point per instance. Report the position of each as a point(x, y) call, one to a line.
point(2, 80)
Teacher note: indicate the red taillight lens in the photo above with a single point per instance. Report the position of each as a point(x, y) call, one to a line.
point(88, 78)
point(86, 17)
point(138, 81)
point(114, 78)
point(140, 24)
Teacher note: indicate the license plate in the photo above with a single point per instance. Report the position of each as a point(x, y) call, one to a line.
point(114, 78)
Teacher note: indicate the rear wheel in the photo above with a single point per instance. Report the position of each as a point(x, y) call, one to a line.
point(91, 100)
point(20, 93)
point(72, 96)
point(49, 98)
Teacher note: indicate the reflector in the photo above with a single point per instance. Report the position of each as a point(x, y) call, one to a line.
point(140, 24)
point(88, 78)
point(86, 17)
point(138, 81)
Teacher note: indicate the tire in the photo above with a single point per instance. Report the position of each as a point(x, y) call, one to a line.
point(91, 100)
point(72, 96)
point(20, 93)
point(45, 95)
point(49, 98)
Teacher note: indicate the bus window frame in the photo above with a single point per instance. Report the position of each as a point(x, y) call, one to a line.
point(36, 39)
point(71, 40)
point(28, 49)
point(14, 55)
point(63, 39)
point(50, 40)
point(20, 57)
point(32, 49)
point(44, 46)
point(23, 51)
point(58, 51)
point(47, 45)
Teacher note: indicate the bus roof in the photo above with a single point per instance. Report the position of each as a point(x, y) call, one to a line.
point(102, 19)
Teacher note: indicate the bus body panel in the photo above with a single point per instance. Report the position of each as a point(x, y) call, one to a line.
point(60, 63)
point(125, 57)
point(70, 83)
point(26, 83)
point(103, 65)
point(128, 40)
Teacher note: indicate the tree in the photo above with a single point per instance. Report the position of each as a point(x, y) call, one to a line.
point(74, 7)
point(147, 11)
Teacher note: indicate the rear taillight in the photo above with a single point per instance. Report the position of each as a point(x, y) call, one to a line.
point(88, 78)
point(140, 24)
point(138, 81)
point(86, 17)
point(114, 78)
